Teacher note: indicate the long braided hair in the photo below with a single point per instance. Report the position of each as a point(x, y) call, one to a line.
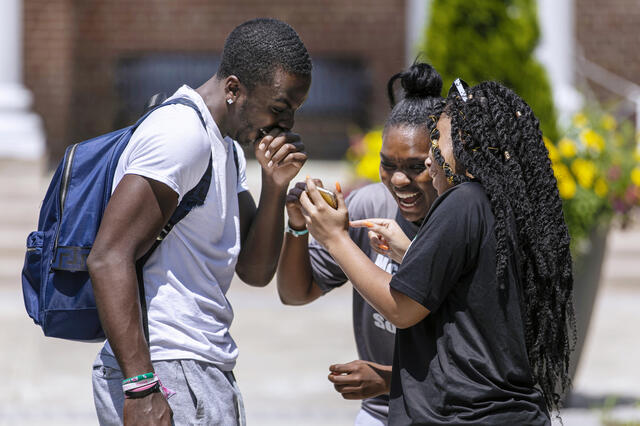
point(497, 139)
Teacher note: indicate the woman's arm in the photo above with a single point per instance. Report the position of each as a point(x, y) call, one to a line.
point(329, 227)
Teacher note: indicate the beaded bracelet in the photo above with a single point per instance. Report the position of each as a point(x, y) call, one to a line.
point(132, 386)
point(144, 384)
point(143, 391)
point(296, 233)
point(141, 385)
point(138, 378)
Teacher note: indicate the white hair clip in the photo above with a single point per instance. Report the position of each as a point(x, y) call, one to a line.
point(460, 87)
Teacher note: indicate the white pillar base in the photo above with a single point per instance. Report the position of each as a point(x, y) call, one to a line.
point(21, 134)
point(568, 101)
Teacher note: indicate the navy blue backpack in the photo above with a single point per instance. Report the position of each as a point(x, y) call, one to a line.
point(57, 290)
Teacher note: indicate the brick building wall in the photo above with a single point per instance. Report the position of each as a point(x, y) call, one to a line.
point(608, 33)
point(48, 64)
point(72, 47)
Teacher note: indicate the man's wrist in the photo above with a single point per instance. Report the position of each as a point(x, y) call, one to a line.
point(270, 184)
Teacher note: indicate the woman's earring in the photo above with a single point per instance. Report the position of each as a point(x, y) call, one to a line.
point(229, 101)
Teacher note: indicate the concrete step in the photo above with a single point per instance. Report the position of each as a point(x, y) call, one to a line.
point(18, 212)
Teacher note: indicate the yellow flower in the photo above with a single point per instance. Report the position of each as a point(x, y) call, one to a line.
point(560, 170)
point(368, 168)
point(592, 139)
point(553, 151)
point(584, 171)
point(635, 176)
point(366, 156)
point(567, 188)
point(567, 148)
point(566, 184)
point(580, 120)
point(373, 141)
point(608, 122)
point(600, 188)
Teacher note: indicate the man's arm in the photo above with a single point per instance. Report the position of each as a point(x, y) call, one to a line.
point(261, 233)
point(280, 156)
point(135, 215)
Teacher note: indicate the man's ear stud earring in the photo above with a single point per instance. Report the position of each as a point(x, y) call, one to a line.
point(229, 101)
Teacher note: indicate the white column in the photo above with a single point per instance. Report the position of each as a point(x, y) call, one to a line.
point(556, 51)
point(416, 15)
point(21, 134)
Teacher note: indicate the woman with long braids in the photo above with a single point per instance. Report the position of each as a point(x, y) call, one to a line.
point(483, 297)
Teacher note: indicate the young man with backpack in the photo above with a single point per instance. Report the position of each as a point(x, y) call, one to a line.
point(184, 371)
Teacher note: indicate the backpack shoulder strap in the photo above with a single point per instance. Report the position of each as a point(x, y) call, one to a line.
point(235, 160)
point(180, 101)
point(158, 100)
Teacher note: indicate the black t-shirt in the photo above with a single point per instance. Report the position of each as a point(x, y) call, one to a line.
point(466, 362)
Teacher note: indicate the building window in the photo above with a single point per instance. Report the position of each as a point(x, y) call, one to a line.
point(338, 98)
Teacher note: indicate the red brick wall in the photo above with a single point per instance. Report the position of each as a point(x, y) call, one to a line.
point(608, 31)
point(72, 46)
point(48, 64)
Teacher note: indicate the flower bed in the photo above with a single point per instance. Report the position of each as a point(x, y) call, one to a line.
point(597, 164)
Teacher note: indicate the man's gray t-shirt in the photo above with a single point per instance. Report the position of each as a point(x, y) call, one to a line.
point(374, 335)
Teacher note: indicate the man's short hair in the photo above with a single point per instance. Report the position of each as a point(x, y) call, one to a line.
point(255, 49)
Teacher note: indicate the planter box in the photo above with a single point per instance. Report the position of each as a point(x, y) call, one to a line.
point(586, 281)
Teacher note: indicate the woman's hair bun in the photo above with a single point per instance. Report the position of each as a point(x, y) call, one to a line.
point(421, 80)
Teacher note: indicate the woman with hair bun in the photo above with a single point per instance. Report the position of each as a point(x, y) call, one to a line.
point(306, 270)
point(483, 297)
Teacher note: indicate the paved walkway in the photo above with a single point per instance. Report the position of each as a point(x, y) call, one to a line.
point(284, 351)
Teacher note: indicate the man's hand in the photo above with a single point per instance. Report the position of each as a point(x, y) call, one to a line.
point(151, 410)
point(360, 379)
point(385, 236)
point(281, 156)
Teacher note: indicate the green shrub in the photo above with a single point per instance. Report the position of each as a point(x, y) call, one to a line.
point(480, 40)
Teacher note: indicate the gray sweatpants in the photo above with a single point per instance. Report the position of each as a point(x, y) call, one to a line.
point(205, 395)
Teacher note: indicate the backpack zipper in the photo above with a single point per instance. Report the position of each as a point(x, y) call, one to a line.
point(66, 173)
point(64, 185)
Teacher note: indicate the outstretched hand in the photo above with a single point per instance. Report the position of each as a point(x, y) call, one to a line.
point(385, 236)
point(360, 379)
point(281, 156)
point(323, 221)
